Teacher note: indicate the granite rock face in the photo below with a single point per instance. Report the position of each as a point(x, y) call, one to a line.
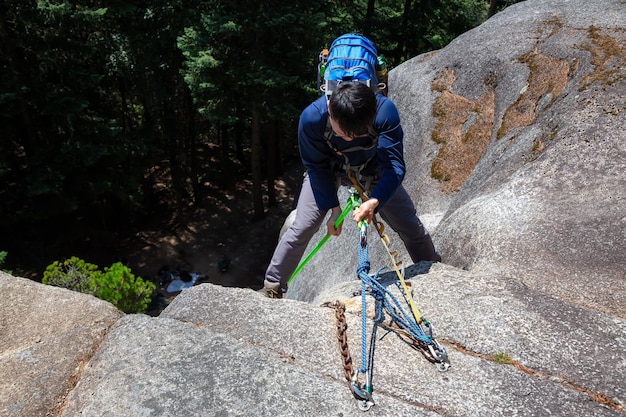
point(232, 352)
point(47, 335)
point(516, 154)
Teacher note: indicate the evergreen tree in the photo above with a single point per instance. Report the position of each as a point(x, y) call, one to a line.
point(62, 156)
point(96, 96)
point(244, 65)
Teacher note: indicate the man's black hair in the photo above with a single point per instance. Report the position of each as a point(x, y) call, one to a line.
point(353, 107)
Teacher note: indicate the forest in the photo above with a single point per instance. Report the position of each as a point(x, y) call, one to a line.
point(113, 109)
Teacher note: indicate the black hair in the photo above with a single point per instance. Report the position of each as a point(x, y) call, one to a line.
point(353, 107)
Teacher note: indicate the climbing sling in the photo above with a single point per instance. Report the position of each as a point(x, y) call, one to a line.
point(352, 201)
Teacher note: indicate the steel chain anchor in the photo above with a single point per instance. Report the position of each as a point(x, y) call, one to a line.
point(359, 391)
point(342, 338)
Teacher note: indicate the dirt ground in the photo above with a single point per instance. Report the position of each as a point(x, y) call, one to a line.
point(219, 232)
point(216, 238)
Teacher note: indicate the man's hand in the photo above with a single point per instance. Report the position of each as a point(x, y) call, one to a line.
point(330, 224)
point(366, 210)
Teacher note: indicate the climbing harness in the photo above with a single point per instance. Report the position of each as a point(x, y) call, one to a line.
point(410, 326)
point(346, 165)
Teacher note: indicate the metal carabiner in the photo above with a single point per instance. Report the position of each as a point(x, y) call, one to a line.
point(365, 405)
point(363, 393)
point(363, 233)
point(440, 355)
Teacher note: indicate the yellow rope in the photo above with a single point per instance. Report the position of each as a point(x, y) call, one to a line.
point(380, 228)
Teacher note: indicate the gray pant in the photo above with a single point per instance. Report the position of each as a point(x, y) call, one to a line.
point(399, 213)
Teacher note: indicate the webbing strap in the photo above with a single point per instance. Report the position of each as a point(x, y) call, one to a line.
point(350, 204)
point(328, 134)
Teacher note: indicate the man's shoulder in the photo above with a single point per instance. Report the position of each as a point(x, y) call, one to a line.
point(384, 102)
point(387, 110)
point(313, 120)
point(317, 107)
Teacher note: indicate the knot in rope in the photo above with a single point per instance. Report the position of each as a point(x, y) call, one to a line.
point(385, 300)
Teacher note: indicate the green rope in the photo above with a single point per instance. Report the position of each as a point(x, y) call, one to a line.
point(353, 201)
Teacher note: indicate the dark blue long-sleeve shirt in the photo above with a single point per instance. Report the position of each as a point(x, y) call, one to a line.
point(319, 158)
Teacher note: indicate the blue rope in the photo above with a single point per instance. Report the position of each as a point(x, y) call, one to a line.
point(385, 300)
point(363, 269)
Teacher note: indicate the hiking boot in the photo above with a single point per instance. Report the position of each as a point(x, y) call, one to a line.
point(272, 289)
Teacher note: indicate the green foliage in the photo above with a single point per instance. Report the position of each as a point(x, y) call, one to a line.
point(502, 358)
point(62, 154)
point(245, 52)
point(404, 29)
point(124, 290)
point(246, 64)
point(116, 284)
point(3, 256)
point(73, 274)
point(104, 104)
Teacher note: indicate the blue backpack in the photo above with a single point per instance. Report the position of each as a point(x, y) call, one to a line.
point(351, 57)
